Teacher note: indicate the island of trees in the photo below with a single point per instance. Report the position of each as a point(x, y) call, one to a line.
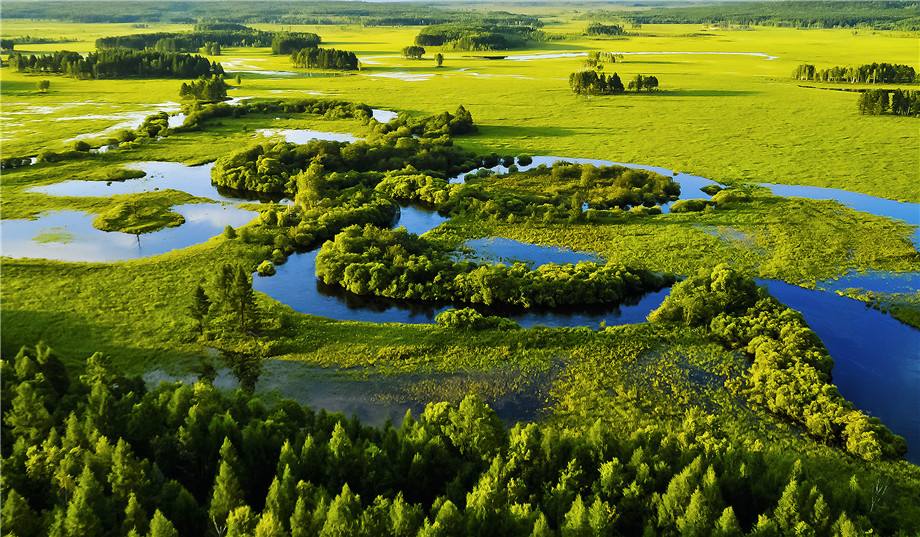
point(397, 264)
point(118, 63)
point(593, 82)
point(324, 58)
point(870, 73)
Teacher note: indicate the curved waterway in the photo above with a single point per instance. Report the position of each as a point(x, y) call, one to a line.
point(877, 358)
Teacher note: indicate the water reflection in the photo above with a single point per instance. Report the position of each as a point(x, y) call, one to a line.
point(70, 235)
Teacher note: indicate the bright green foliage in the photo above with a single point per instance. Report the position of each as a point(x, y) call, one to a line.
point(160, 526)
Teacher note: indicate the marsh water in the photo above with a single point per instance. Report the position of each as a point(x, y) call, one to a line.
point(877, 357)
point(70, 235)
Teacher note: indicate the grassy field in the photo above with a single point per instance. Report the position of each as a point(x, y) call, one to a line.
point(730, 118)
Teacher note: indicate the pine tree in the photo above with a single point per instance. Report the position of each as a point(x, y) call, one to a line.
point(16, 517)
point(200, 307)
point(160, 526)
point(227, 495)
point(241, 522)
point(269, 526)
point(727, 525)
point(82, 519)
point(28, 416)
point(135, 518)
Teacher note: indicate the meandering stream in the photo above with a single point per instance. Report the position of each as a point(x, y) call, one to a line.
point(877, 358)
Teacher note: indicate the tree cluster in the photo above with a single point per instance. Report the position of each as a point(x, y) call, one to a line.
point(223, 35)
point(118, 63)
point(413, 52)
point(897, 102)
point(204, 89)
point(870, 73)
point(99, 454)
point(287, 43)
point(325, 58)
point(469, 37)
point(596, 28)
point(590, 82)
point(277, 166)
point(790, 373)
point(211, 48)
point(229, 303)
point(397, 264)
point(648, 83)
point(198, 113)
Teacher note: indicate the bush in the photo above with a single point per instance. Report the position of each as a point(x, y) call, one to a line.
point(689, 206)
point(470, 319)
point(266, 268)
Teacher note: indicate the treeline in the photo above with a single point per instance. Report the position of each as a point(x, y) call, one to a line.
point(897, 102)
point(787, 13)
point(870, 73)
point(397, 264)
point(223, 35)
point(118, 63)
point(467, 37)
point(206, 89)
point(596, 28)
point(328, 108)
point(100, 454)
point(253, 11)
point(790, 374)
point(591, 82)
point(287, 43)
point(325, 58)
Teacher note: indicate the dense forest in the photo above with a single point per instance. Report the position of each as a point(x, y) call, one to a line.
point(224, 35)
point(871, 73)
point(880, 14)
point(325, 58)
point(252, 11)
point(98, 453)
point(468, 37)
point(896, 102)
point(118, 63)
point(287, 43)
point(397, 264)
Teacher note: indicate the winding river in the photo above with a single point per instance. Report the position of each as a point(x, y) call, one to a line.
point(877, 358)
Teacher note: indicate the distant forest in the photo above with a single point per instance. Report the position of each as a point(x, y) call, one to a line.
point(243, 12)
point(810, 14)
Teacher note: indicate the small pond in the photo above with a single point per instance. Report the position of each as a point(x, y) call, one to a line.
point(302, 136)
point(70, 235)
point(373, 399)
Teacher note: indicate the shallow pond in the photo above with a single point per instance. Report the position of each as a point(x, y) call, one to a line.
point(70, 235)
point(373, 399)
point(302, 136)
point(383, 116)
point(876, 357)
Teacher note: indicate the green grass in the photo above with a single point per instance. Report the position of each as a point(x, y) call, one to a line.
point(138, 216)
point(730, 118)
